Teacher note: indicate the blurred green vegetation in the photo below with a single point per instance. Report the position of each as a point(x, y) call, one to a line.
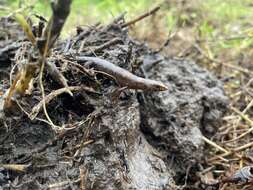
point(84, 12)
point(223, 13)
point(212, 20)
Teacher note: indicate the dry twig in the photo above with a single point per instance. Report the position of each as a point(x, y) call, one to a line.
point(214, 144)
point(83, 176)
point(247, 119)
point(151, 12)
point(36, 109)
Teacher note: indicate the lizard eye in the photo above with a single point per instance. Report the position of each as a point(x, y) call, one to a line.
point(159, 87)
point(162, 87)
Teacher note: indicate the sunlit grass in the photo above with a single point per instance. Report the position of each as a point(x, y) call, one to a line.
point(226, 17)
point(85, 12)
point(211, 19)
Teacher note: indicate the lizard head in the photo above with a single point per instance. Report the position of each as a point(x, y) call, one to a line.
point(158, 86)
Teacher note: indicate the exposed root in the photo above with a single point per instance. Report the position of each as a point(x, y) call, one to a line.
point(36, 109)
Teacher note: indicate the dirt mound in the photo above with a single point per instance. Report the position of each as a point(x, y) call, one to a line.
point(138, 140)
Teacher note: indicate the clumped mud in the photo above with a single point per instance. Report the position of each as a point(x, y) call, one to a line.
point(174, 121)
point(143, 140)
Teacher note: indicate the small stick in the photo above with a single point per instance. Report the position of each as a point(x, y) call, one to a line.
point(82, 177)
point(248, 107)
point(115, 21)
point(82, 145)
point(82, 69)
point(108, 44)
point(246, 118)
point(57, 75)
point(152, 11)
point(61, 184)
point(242, 114)
point(243, 147)
point(166, 43)
point(10, 92)
point(84, 33)
point(214, 145)
point(15, 167)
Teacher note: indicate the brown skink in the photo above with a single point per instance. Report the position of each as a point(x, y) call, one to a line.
point(123, 76)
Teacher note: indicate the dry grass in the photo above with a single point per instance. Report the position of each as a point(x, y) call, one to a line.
point(218, 35)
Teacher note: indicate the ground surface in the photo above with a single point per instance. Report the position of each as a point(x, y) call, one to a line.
point(143, 140)
point(217, 35)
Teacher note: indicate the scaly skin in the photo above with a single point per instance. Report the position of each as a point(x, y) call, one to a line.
point(122, 76)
